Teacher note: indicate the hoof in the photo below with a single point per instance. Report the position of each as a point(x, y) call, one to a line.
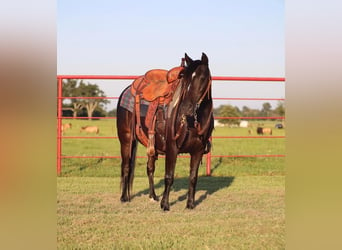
point(165, 207)
point(124, 199)
point(154, 198)
point(190, 206)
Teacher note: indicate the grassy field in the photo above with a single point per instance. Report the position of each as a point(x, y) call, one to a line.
point(220, 166)
point(241, 206)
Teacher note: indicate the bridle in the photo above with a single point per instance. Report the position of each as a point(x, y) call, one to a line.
point(204, 93)
point(197, 125)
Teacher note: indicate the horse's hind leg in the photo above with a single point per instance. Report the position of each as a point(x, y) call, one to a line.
point(128, 152)
point(150, 173)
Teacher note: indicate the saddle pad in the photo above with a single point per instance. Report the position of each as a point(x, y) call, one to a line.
point(127, 102)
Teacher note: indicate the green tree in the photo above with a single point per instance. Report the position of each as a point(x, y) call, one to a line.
point(266, 109)
point(74, 88)
point(91, 90)
point(70, 89)
point(229, 111)
point(112, 113)
point(280, 109)
point(248, 112)
point(98, 112)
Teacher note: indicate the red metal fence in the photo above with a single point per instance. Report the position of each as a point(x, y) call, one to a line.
point(60, 98)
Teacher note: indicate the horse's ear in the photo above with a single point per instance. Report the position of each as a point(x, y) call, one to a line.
point(188, 60)
point(204, 58)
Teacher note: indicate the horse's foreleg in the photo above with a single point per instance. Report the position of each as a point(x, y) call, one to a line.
point(194, 165)
point(128, 144)
point(170, 163)
point(150, 174)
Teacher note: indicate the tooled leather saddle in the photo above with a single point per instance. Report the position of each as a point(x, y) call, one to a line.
point(157, 86)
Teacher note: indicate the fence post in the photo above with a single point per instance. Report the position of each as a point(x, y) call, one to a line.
point(59, 126)
point(208, 163)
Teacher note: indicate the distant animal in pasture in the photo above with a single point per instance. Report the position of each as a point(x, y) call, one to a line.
point(66, 126)
point(263, 131)
point(90, 129)
point(279, 126)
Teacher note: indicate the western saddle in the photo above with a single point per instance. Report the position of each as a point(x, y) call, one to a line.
point(157, 86)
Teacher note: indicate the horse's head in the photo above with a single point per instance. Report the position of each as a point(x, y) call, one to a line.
point(196, 78)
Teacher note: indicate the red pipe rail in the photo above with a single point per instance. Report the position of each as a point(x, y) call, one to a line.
point(132, 77)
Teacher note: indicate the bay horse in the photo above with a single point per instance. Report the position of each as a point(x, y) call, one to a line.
point(182, 126)
point(263, 131)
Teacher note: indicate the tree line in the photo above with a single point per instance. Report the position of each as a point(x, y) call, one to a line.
point(94, 107)
point(234, 111)
point(79, 107)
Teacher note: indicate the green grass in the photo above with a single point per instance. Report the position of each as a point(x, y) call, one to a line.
point(241, 206)
point(244, 212)
point(220, 166)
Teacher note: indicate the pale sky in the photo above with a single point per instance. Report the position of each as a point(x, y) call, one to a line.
point(241, 38)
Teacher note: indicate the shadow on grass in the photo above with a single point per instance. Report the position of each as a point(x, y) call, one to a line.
point(213, 169)
point(209, 184)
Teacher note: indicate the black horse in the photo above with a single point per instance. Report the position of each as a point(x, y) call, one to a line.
point(186, 127)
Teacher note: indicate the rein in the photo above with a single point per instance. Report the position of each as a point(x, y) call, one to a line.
point(205, 92)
